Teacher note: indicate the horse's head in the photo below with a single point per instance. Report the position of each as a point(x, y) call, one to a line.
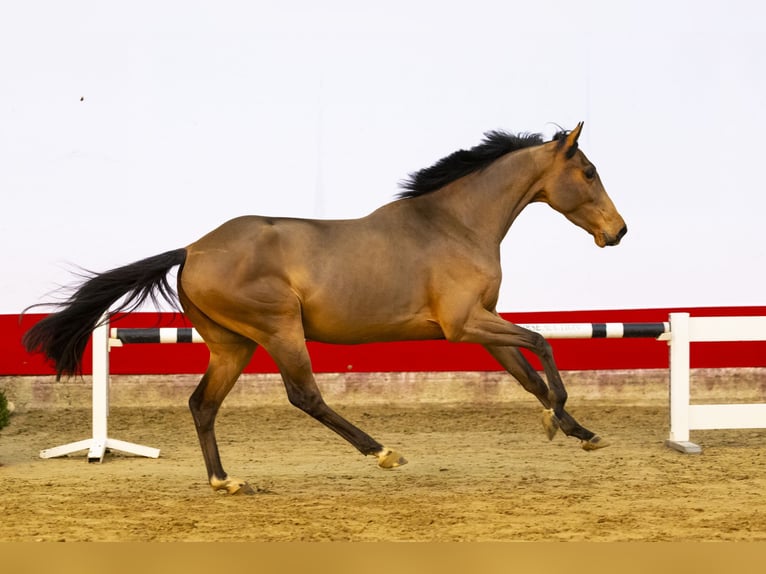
point(572, 187)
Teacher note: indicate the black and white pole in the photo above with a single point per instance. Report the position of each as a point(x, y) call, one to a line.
point(599, 330)
point(548, 330)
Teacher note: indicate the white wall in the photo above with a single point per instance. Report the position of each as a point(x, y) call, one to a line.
point(130, 128)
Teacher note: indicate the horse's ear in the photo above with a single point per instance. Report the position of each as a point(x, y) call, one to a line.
point(570, 145)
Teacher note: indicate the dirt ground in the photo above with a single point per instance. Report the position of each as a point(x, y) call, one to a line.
point(478, 471)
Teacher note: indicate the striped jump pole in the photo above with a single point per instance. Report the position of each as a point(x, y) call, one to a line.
point(599, 330)
point(548, 330)
point(119, 337)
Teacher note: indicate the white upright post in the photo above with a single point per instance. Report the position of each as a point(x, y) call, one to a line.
point(100, 442)
point(679, 385)
point(100, 392)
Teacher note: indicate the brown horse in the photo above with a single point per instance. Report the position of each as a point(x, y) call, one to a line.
point(426, 266)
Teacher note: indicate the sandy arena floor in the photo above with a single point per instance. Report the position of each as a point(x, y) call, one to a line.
point(478, 471)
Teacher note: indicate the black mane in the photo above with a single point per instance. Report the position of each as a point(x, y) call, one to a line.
point(463, 162)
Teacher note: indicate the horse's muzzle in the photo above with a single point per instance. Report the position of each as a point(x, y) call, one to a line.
point(615, 240)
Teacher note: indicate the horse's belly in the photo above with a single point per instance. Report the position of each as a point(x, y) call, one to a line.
point(368, 329)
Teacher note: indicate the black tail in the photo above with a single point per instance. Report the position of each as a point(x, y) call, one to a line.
point(62, 336)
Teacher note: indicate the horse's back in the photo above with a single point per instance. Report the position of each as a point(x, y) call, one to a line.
point(349, 279)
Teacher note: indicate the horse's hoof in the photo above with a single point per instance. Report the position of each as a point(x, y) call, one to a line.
point(232, 486)
point(595, 443)
point(550, 423)
point(388, 458)
point(242, 488)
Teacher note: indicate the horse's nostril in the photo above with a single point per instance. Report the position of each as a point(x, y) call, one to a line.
point(622, 232)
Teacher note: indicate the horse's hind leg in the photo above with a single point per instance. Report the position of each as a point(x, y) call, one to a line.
point(229, 354)
point(226, 363)
point(302, 391)
point(517, 365)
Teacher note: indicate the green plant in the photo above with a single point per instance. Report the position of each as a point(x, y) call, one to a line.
point(5, 414)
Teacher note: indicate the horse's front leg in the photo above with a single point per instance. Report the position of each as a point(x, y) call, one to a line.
point(502, 339)
point(517, 365)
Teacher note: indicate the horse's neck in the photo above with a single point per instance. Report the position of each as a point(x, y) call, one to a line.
point(487, 202)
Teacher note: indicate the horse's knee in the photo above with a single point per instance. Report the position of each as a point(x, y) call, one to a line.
point(557, 393)
point(541, 347)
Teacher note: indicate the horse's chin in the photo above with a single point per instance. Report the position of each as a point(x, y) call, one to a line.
point(604, 239)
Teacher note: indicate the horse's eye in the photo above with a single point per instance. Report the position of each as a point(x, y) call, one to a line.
point(590, 172)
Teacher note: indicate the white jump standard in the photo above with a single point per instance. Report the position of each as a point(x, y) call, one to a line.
point(100, 441)
point(685, 416)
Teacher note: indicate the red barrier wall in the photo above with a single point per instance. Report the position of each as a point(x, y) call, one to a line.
point(581, 354)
